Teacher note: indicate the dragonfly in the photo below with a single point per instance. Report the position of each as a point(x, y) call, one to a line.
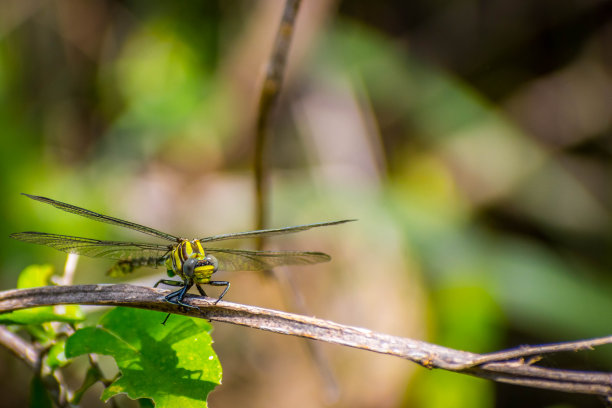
point(191, 260)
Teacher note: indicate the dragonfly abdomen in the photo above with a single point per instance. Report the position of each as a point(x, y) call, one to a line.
point(127, 266)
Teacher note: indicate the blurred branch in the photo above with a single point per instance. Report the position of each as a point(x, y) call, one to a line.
point(516, 366)
point(270, 90)
point(32, 357)
point(22, 349)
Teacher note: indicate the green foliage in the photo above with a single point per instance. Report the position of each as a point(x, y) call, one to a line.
point(39, 396)
point(56, 357)
point(37, 323)
point(174, 364)
point(35, 276)
point(459, 391)
point(490, 151)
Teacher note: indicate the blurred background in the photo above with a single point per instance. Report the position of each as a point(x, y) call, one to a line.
point(472, 140)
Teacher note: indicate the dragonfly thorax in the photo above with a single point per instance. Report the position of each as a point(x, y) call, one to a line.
point(189, 260)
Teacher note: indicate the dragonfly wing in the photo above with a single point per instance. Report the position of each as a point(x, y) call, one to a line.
point(102, 218)
point(270, 232)
point(117, 250)
point(243, 260)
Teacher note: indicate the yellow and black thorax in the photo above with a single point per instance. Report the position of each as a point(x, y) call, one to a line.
point(201, 266)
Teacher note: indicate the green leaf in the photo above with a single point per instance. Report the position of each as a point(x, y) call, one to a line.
point(39, 396)
point(145, 403)
point(39, 315)
point(36, 276)
point(56, 356)
point(174, 364)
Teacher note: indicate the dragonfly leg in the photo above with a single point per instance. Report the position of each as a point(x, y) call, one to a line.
point(178, 294)
point(220, 283)
point(176, 298)
point(166, 319)
point(169, 282)
point(201, 290)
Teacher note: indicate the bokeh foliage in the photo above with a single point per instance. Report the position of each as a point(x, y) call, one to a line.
point(471, 140)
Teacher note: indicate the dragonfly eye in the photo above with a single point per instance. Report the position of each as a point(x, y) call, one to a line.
point(189, 267)
point(210, 260)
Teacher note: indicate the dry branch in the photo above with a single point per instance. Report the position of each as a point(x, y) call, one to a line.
point(516, 366)
point(33, 357)
point(273, 80)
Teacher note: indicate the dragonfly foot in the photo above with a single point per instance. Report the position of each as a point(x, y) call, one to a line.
point(166, 319)
point(220, 283)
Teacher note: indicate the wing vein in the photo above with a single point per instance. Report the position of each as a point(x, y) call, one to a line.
point(73, 209)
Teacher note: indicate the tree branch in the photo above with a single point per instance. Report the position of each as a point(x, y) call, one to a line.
point(275, 71)
point(23, 350)
point(32, 357)
point(509, 366)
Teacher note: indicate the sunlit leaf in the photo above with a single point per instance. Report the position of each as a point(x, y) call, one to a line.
point(34, 276)
point(174, 364)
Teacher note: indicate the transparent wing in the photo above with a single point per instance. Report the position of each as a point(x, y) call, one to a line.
point(243, 260)
point(103, 218)
point(270, 232)
point(95, 248)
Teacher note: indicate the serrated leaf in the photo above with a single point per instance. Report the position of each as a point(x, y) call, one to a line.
point(36, 276)
point(174, 364)
point(145, 403)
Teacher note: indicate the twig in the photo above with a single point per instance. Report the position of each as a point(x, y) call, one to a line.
point(23, 350)
point(506, 366)
point(270, 90)
point(32, 357)
point(524, 351)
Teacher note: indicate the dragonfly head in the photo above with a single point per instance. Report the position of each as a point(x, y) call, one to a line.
point(201, 269)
